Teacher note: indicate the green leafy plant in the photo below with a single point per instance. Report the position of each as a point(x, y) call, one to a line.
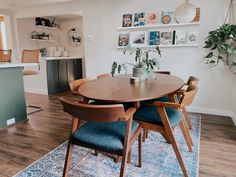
point(222, 42)
point(143, 59)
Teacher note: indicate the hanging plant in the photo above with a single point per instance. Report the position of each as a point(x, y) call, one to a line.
point(222, 45)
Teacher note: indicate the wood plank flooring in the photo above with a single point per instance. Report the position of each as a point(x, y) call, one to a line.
point(24, 143)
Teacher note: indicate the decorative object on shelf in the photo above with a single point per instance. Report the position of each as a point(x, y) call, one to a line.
point(123, 39)
point(222, 43)
point(166, 38)
point(39, 21)
point(154, 38)
point(168, 17)
point(185, 12)
point(127, 20)
point(198, 15)
point(180, 37)
point(74, 37)
point(43, 52)
point(192, 37)
point(138, 38)
point(139, 19)
point(145, 62)
point(152, 18)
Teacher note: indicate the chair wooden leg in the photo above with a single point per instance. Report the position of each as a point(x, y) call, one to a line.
point(171, 137)
point(130, 156)
point(187, 131)
point(190, 126)
point(186, 136)
point(144, 135)
point(96, 152)
point(140, 151)
point(165, 137)
point(178, 155)
point(68, 160)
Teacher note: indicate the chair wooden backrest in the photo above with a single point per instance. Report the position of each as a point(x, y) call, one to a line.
point(30, 56)
point(192, 80)
point(188, 95)
point(5, 55)
point(104, 75)
point(94, 113)
point(74, 85)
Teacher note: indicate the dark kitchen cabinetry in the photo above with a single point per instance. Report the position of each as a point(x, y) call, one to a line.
point(61, 72)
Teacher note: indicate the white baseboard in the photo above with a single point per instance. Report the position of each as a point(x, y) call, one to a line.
point(213, 112)
point(42, 92)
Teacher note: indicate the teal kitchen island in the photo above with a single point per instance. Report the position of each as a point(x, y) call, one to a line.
point(12, 97)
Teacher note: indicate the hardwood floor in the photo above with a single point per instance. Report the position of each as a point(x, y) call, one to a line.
point(24, 143)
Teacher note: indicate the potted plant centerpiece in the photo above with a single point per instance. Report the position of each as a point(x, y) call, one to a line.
point(222, 45)
point(145, 62)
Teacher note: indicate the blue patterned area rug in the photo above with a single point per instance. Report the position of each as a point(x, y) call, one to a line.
point(158, 159)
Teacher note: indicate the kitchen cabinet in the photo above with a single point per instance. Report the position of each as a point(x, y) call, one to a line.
point(61, 72)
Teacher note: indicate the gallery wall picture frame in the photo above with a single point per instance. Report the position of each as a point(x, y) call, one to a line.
point(192, 37)
point(139, 19)
point(139, 38)
point(166, 38)
point(127, 20)
point(168, 17)
point(154, 38)
point(152, 18)
point(180, 37)
point(123, 40)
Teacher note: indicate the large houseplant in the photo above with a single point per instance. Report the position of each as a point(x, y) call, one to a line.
point(222, 45)
point(145, 62)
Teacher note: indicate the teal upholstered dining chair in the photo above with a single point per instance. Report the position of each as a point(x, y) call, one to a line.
point(108, 129)
point(162, 117)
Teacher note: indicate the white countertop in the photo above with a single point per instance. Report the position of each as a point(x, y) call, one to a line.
point(62, 58)
point(16, 65)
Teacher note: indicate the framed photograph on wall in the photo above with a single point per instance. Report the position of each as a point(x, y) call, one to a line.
point(123, 40)
point(139, 19)
point(154, 38)
point(152, 18)
point(168, 17)
point(180, 37)
point(192, 37)
point(138, 38)
point(166, 38)
point(127, 20)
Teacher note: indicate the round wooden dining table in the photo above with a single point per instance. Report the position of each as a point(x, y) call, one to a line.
point(118, 89)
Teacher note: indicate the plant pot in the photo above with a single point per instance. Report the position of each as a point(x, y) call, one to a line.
point(140, 73)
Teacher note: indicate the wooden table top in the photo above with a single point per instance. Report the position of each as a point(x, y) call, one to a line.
point(119, 89)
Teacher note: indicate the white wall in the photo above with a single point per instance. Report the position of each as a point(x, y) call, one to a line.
point(102, 17)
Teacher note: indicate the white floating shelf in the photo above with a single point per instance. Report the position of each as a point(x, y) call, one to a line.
point(159, 26)
point(165, 46)
point(41, 40)
point(46, 27)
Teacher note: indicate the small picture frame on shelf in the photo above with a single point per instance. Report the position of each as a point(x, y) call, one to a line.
point(138, 38)
point(139, 19)
point(123, 40)
point(192, 37)
point(154, 38)
point(180, 37)
point(166, 38)
point(127, 20)
point(152, 18)
point(168, 17)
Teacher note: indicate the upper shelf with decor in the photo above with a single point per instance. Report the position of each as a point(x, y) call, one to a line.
point(47, 27)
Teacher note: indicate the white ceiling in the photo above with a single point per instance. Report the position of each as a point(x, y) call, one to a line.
point(17, 4)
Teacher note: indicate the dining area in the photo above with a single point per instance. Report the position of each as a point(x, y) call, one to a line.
point(111, 113)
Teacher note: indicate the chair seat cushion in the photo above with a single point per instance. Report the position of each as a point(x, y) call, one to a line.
point(150, 114)
point(107, 137)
